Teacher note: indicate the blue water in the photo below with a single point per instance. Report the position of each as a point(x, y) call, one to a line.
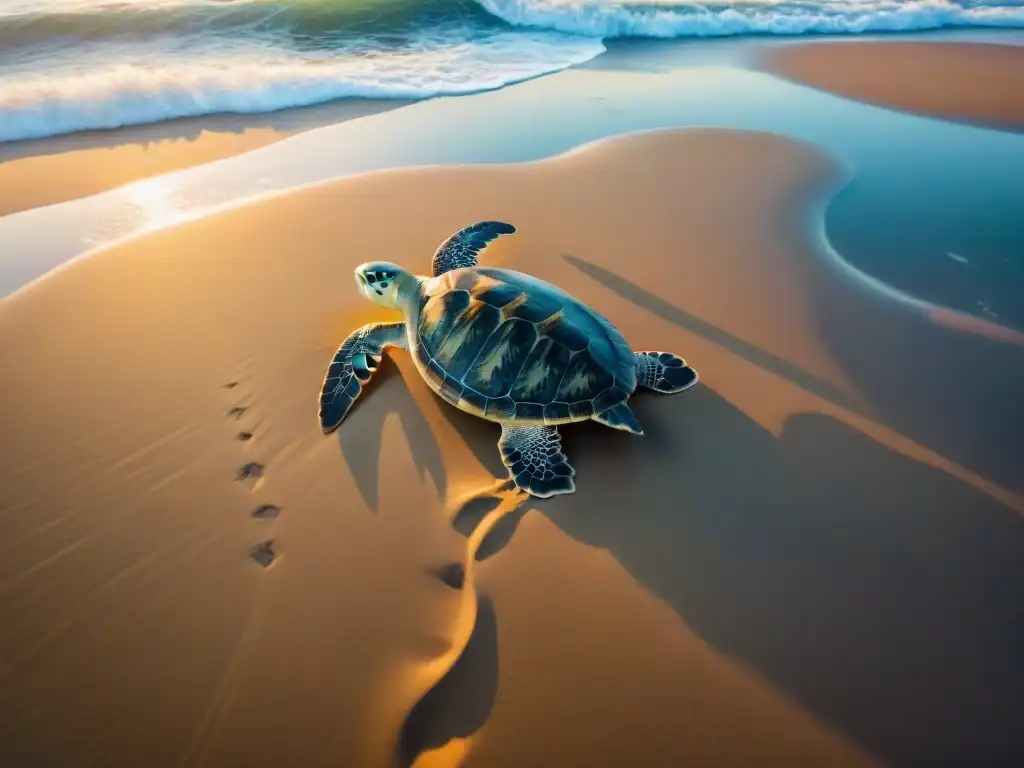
point(72, 65)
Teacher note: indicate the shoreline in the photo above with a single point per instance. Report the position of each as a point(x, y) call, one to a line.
point(41, 172)
point(50, 170)
point(702, 611)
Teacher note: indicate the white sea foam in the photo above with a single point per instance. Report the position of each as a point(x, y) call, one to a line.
point(42, 104)
point(672, 18)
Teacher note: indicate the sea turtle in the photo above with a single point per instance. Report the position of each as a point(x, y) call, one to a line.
point(503, 346)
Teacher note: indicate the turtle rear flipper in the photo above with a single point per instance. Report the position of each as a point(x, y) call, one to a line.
point(533, 455)
point(620, 417)
point(664, 372)
point(352, 366)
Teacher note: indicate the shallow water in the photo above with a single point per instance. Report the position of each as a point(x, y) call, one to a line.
point(929, 199)
point(934, 208)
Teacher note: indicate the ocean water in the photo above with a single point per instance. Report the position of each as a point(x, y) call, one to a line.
point(72, 65)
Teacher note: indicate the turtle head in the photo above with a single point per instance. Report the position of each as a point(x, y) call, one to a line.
point(384, 283)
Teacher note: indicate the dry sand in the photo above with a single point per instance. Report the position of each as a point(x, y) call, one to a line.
point(53, 170)
point(815, 557)
point(979, 83)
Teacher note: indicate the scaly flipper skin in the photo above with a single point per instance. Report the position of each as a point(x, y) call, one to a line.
point(533, 455)
point(621, 417)
point(353, 365)
point(664, 372)
point(462, 249)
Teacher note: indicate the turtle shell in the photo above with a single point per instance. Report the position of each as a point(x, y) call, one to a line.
point(510, 347)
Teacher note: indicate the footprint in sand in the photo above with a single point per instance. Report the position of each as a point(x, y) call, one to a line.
point(263, 553)
point(250, 473)
point(249, 470)
point(266, 511)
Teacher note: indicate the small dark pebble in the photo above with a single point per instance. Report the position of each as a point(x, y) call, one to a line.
point(453, 574)
point(231, 385)
point(263, 553)
point(267, 510)
point(251, 469)
point(237, 411)
point(244, 436)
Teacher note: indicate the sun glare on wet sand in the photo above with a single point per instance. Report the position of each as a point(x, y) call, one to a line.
point(154, 203)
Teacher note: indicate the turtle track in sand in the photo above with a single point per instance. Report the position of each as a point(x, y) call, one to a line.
point(458, 700)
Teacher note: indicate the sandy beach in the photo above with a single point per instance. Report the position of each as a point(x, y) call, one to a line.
point(815, 557)
point(978, 83)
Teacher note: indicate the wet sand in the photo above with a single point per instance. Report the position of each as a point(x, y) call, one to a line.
point(977, 83)
point(47, 171)
point(815, 557)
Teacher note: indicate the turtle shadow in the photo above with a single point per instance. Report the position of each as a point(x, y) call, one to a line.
point(881, 593)
point(615, 445)
point(359, 437)
point(481, 437)
point(957, 391)
point(749, 352)
point(389, 391)
point(906, 368)
point(460, 702)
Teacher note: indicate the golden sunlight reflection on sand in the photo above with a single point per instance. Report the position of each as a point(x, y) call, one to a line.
point(152, 199)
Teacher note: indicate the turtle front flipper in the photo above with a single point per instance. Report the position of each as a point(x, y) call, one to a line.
point(353, 365)
point(461, 249)
point(533, 455)
point(664, 372)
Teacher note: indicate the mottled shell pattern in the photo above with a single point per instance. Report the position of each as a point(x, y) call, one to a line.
point(507, 347)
